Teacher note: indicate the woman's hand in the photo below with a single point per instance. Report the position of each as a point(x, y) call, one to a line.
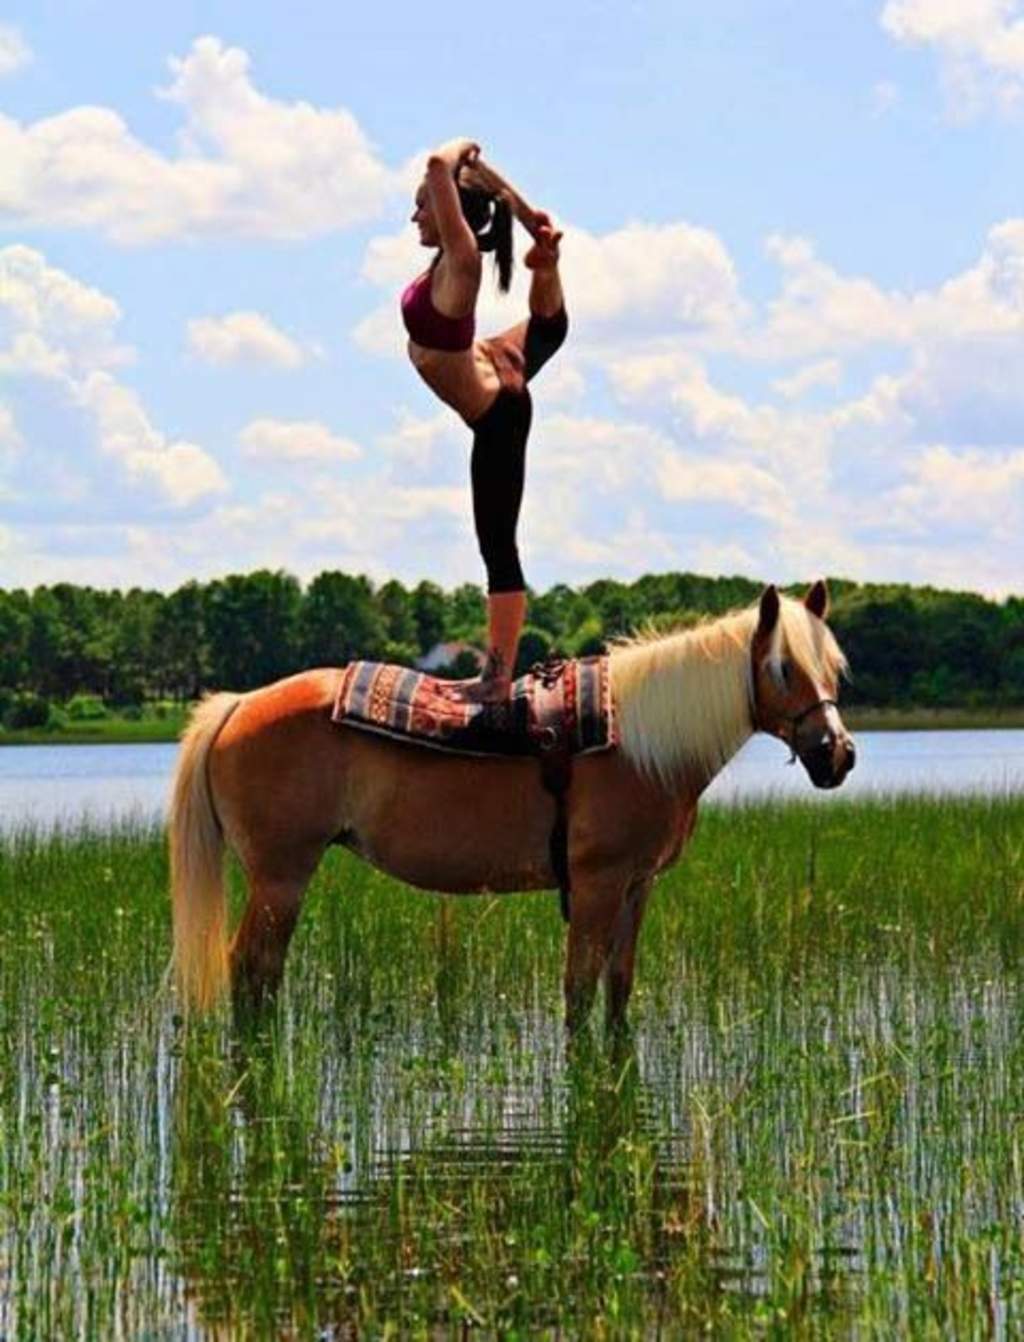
point(544, 253)
point(458, 152)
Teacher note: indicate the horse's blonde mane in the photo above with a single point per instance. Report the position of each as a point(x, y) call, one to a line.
point(683, 700)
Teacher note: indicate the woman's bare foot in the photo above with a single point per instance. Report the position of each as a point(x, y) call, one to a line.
point(492, 686)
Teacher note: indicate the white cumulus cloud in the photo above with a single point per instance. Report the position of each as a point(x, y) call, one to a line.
point(296, 441)
point(59, 333)
point(49, 318)
point(181, 471)
point(243, 338)
point(969, 489)
point(248, 165)
point(980, 44)
point(820, 311)
point(649, 275)
point(686, 476)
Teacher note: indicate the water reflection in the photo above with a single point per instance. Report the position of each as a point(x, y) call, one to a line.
point(503, 1225)
point(514, 1209)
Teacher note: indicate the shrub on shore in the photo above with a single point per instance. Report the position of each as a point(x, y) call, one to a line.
point(26, 709)
point(86, 708)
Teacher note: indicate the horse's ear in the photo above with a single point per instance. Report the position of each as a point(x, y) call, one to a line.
point(769, 613)
point(816, 599)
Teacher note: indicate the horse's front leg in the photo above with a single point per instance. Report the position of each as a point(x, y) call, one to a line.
point(596, 905)
point(622, 960)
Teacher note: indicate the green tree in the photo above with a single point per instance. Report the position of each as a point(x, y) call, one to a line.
point(467, 612)
point(588, 640)
point(251, 623)
point(340, 621)
point(180, 660)
point(396, 611)
point(905, 644)
point(534, 646)
point(1013, 676)
point(430, 612)
point(616, 604)
point(43, 644)
point(131, 638)
point(560, 611)
point(14, 631)
point(85, 659)
point(967, 639)
point(882, 635)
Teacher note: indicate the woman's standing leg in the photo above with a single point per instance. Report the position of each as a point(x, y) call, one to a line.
point(498, 472)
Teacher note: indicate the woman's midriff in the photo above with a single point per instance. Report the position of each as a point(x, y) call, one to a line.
point(470, 380)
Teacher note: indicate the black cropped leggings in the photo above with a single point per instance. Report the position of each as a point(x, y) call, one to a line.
point(497, 465)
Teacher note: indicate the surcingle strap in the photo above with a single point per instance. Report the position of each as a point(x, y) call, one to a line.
point(556, 775)
point(555, 707)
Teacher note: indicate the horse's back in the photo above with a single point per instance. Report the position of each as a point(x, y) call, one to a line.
point(278, 705)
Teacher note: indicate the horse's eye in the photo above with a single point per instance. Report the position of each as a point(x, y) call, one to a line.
point(786, 672)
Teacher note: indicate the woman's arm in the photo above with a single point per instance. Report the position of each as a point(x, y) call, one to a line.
point(480, 174)
point(457, 237)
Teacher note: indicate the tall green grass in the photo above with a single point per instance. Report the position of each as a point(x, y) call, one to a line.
point(816, 1131)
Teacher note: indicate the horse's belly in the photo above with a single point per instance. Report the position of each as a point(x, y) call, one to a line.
point(433, 871)
point(461, 826)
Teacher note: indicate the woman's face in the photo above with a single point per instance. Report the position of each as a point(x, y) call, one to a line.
point(423, 218)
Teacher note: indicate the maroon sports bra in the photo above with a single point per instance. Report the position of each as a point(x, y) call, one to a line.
point(430, 328)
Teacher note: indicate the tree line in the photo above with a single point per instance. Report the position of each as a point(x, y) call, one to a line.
point(906, 645)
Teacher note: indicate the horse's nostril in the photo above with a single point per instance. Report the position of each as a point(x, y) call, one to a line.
point(851, 755)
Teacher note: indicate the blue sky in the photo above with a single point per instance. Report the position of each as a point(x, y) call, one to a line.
point(794, 262)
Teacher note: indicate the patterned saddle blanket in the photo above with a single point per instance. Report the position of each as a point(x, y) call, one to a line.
point(562, 707)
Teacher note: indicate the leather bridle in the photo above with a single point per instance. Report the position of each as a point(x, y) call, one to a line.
point(793, 719)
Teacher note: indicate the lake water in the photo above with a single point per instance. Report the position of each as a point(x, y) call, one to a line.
point(45, 785)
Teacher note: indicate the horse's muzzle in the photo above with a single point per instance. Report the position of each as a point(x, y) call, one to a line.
point(829, 761)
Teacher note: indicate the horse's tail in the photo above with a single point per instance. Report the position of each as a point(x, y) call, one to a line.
point(198, 900)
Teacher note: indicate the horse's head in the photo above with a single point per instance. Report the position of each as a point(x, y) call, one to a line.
point(796, 665)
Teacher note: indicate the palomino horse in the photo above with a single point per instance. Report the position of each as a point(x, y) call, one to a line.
point(272, 775)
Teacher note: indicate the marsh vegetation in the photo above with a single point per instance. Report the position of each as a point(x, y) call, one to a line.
point(816, 1127)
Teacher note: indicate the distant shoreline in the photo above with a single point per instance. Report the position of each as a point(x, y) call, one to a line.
point(162, 731)
point(106, 732)
point(933, 719)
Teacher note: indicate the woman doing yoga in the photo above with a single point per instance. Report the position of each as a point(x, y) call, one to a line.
point(463, 208)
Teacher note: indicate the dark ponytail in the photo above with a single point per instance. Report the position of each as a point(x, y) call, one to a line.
point(490, 218)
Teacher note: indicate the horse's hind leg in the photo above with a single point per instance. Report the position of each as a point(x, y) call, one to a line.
point(261, 942)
